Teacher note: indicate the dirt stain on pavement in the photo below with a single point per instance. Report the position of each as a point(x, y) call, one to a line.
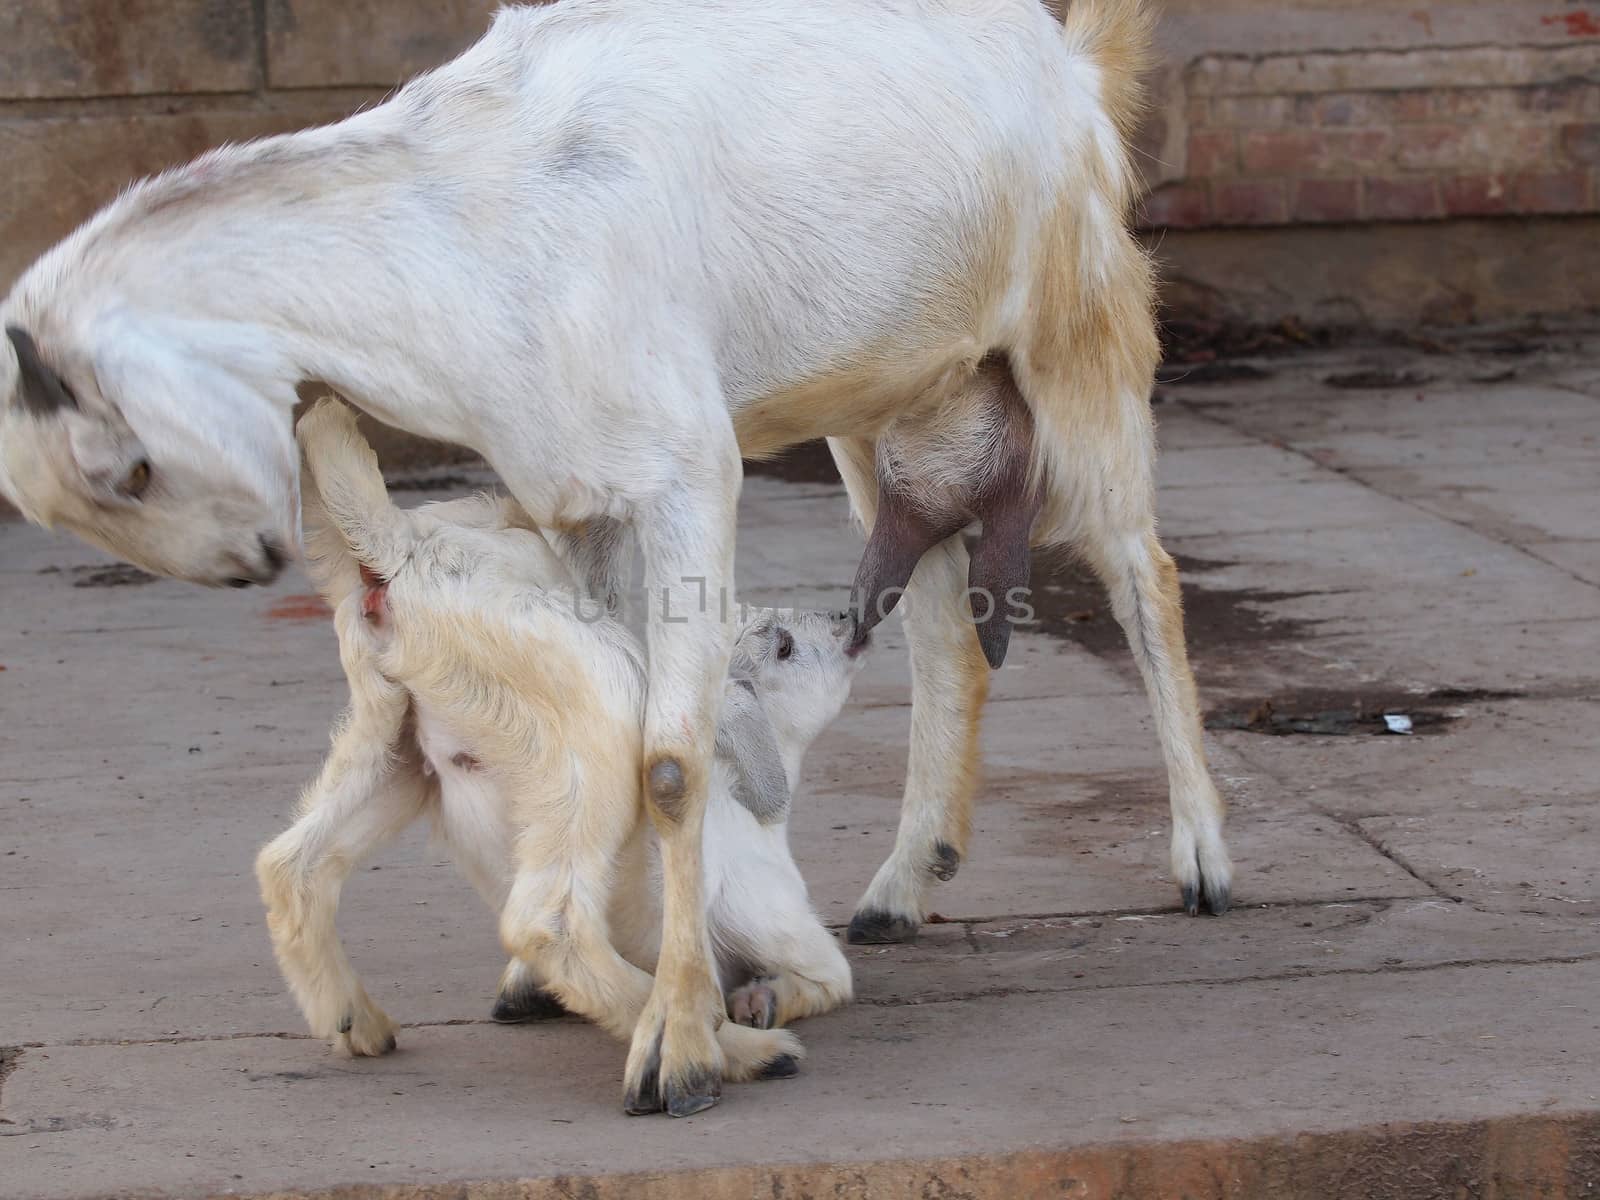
point(1349, 713)
point(1069, 602)
point(116, 575)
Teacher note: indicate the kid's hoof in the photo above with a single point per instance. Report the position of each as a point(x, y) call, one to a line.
point(873, 927)
point(696, 1092)
point(785, 1066)
point(531, 1004)
point(755, 1004)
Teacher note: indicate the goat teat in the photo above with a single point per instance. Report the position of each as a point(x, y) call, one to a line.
point(939, 471)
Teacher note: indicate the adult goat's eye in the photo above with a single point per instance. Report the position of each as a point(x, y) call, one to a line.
point(785, 643)
point(136, 481)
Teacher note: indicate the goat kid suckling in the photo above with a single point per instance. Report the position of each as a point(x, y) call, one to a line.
point(488, 693)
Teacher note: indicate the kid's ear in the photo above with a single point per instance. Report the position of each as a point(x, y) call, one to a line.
point(747, 740)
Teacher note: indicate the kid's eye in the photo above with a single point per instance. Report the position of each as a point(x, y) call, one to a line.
point(785, 643)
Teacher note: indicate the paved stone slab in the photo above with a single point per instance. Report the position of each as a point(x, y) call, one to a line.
point(980, 1075)
point(1415, 937)
point(1534, 856)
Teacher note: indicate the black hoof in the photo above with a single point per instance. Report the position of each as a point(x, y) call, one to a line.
point(873, 927)
point(346, 1022)
point(389, 1044)
point(946, 861)
point(526, 1004)
point(646, 1098)
point(785, 1066)
point(696, 1092)
point(1217, 899)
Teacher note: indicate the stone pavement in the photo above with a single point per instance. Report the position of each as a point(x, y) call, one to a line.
point(1403, 1003)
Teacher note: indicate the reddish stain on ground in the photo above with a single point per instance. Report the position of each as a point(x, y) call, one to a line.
point(1579, 24)
point(300, 608)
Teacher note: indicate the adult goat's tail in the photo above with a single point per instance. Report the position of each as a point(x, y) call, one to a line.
point(350, 520)
point(1116, 36)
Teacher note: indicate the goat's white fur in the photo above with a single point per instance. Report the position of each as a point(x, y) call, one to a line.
point(611, 246)
point(483, 697)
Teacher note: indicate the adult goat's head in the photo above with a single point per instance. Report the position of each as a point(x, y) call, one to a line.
point(154, 441)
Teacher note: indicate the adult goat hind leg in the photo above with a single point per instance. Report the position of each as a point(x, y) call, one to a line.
point(687, 535)
point(949, 683)
point(1143, 584)
point(1087, 381)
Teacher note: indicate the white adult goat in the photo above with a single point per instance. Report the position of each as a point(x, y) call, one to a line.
point(612, 247)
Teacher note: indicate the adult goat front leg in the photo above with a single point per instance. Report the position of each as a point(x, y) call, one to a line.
point(949, 684)
point(687, 535)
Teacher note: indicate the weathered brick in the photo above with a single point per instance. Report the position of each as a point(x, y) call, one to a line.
point(1412, 198)
point(1249, 202)
point(1159, 144)
point(314, 43)
point(1484, 144)
point(1213, 152)
point(1197, 112)
point(1368, 108)
point(61, 48)
point(1572, 97)
point(1475, 195)
point(60, 170)
point(1304, 151)
point(1460, 104)
point(1551, 192)
point(1326, 200)
point(1246, 111)
point(1180, 205)
point(1284, 151)
point(1581, 143)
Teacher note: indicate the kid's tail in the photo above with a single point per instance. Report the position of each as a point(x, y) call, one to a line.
point(350, 521)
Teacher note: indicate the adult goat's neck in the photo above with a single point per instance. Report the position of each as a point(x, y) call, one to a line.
point(301, 248)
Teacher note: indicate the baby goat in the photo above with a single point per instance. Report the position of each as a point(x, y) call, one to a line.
point(480, 696)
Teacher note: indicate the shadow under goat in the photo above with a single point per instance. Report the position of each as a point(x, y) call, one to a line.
point(488, 693)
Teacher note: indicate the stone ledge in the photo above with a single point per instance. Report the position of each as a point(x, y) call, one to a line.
point(380, 42)
point(1391, 70)
point(77, 48)
point(1556, 1155)
point(59, 170)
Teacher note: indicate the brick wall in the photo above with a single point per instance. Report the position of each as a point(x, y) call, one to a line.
point(1386, 136)
point(95, 93)
point(1364, 128)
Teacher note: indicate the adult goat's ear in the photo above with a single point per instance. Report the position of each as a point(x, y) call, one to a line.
point(39, 389)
